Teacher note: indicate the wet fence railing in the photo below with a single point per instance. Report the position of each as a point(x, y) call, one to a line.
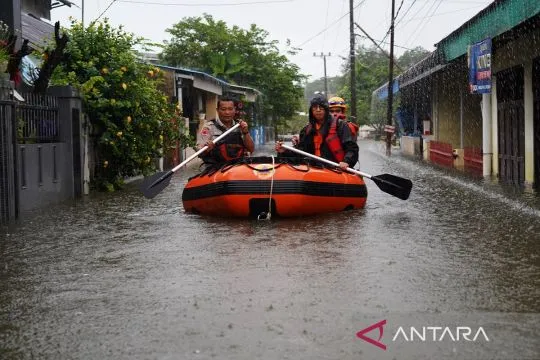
point(37, 119)
point(473, 159)
point(441, 153)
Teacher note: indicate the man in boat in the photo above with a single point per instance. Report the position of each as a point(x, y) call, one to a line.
point(325, 136)
point(234, 146)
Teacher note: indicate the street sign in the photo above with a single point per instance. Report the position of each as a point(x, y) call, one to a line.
point(389, 128)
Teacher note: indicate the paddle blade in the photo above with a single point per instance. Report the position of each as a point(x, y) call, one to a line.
point(152, 185)
point(394, 185)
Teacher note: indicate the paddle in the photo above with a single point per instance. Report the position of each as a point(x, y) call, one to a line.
point(391, 184)
point(152, 185)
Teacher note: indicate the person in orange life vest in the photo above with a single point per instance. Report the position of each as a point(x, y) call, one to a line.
point(325, 136)
point(337, 107)
point(234, 146)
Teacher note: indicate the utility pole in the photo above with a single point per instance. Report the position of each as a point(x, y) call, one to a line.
point(353, 64)
point(325, 77)
point(82, 13)
point(389, 119)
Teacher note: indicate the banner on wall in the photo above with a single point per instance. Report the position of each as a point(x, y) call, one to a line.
point(479, 60)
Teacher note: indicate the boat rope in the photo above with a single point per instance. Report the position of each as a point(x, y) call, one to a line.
point(268, 215)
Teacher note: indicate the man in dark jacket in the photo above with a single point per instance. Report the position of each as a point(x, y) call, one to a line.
point(325, 136)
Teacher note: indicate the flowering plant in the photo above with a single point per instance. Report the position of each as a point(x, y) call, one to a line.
point(4, 52)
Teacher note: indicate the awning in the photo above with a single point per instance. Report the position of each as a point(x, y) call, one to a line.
point(382, 92)
point(423, 75)
point(209, 86)
point(497, 18)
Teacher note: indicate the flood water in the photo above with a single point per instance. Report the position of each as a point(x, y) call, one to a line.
point(118, 276)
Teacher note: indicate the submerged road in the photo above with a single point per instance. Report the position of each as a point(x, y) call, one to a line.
point(118, 276)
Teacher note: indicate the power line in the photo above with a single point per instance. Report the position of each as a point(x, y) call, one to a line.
point(104, 11)
point(382, 42)
point(399, 8)
point(417, 11)
point(326, 21)
point(421, 26)
point(409, 9)
point(339, 28)
point(406, 12)
point(329, 26)
point(441, 14)
point(379, 47)
point(206, 4)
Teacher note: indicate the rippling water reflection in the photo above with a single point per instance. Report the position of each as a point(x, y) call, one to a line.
point(119, 276)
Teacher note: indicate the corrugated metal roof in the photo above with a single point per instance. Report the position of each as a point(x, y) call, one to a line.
point(209, 77)
point(497, 18)
point(37, 31)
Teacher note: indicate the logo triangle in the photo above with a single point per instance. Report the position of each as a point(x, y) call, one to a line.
point(362, 334)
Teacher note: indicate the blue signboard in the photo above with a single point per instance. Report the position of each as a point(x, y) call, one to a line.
point(479, 57)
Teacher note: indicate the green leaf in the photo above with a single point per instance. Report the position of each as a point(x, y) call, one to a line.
point(234, 57)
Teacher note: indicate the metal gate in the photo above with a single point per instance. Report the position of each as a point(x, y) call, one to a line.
point(536, 90)
point(511, 123)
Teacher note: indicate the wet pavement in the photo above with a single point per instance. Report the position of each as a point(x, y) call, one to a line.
point(118, 276)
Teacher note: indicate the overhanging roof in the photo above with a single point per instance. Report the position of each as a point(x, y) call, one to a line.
point(382, 92)
point(499, 17)
point(250, 93)
point(423, 75)
point(38, 32)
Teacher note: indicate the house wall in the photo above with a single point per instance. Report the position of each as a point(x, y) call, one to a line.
point(10, 14)
point(211, 106)
point(454, 103)
point(38, 8)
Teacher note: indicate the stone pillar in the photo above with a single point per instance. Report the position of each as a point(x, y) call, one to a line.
point(529, 123)
point(10, 14)
point(71, 131)
point(9, 204)
point(487, 148)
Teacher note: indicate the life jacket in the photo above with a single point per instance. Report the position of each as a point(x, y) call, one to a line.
point(233, 149)
point(332, 140)
point(354, 129)
point(352, 126)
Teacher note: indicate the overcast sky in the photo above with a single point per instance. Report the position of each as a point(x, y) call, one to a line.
point(320, 26)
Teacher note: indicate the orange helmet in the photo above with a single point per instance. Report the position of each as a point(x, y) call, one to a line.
point(337, 102)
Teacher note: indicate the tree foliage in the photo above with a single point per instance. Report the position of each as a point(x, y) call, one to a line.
point(335, 83)
point(293, 125)
point(371, 73)
point(411, 57)
point(132, 120)
point(243, 57)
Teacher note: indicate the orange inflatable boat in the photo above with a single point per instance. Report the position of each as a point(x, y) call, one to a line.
point(251, 187)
